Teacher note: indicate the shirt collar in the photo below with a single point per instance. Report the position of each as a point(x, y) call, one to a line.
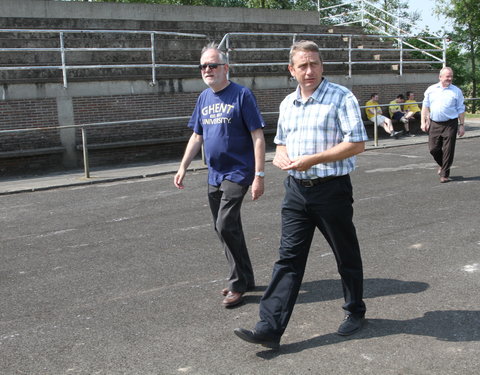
point(439, 85)
point(317, 94)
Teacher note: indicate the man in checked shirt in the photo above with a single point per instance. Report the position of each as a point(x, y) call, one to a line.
point(320, 130)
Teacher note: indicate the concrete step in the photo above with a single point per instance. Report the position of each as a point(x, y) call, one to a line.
point(170, 49)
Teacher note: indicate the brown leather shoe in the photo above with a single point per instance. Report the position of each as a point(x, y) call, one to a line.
point(226, 290)
point(232, 299)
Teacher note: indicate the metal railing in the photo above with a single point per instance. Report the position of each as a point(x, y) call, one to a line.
point(84, 127)
point(375, 129)
point(365, 17)
point(375, 124)
point(63, 50)
point(227, 44)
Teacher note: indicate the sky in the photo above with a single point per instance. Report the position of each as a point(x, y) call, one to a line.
point(425, 7)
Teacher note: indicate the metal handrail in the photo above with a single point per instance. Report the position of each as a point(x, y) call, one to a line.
point(226, 44)
point(84, 127)
point(398, 29)
point(64, 67)
point(375, 131)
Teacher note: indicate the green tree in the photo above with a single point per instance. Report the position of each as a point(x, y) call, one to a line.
point(327, 15)
point(466, 33)
point(268, 4)
point(394, 14)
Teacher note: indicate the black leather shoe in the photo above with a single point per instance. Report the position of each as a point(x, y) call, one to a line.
point(350, 325)
point(257, 338)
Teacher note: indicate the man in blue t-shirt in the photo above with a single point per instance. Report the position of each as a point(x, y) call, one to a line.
point(227, 121)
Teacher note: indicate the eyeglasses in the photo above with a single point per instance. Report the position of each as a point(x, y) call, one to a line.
point(211, 66)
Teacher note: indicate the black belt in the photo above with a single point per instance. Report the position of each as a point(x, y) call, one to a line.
point(443, 122)
point(314, 181)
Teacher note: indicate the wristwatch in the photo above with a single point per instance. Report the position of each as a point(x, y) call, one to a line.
point(260, 174)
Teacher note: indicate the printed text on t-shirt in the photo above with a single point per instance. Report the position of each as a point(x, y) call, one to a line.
point(217, 113)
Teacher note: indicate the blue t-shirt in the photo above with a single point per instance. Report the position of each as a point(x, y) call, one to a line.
point(226, 119)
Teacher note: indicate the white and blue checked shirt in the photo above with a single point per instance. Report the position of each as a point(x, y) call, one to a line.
point(329, 117)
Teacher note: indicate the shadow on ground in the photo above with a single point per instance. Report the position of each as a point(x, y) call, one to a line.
point(331, 289)
point(453, 326)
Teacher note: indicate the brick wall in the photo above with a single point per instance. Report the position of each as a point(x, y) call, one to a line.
point(92, 109)
point(131, 107)
point(28, 114)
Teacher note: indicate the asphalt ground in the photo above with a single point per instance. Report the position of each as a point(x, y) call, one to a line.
point(124, 276)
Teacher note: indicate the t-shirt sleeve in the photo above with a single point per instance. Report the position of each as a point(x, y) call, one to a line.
point(250, 112)
point(194, 123)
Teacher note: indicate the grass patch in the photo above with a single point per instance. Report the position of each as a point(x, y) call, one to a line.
point(472, 115)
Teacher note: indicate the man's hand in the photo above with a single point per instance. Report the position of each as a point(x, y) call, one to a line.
point(193, 147)
point(178, 179)
point(258, 187)
point(301, 164)
point(425, 125)
point(281, 159)
point(461, 131)
point(425, 121)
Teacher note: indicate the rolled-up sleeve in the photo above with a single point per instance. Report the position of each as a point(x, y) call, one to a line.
point(280, 135)
point(350, 120)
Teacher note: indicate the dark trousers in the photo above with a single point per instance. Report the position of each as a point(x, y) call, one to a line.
point(225, 203)
point(442, 137)
point(328, 207)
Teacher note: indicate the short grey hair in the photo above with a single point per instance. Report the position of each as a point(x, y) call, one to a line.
point(304, 45)
point(444, 69)
point(222, 55)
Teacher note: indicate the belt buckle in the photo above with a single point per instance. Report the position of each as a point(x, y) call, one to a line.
point(308, 183)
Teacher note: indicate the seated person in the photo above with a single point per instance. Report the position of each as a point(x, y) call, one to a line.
point(412, 106)
point(396, 113)
point(375, 114)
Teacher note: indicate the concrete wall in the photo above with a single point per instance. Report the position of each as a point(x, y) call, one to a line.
point(153, 12)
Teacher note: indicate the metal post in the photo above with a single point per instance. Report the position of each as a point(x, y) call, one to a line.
point(444, 54)
point(398, 20)
point(318, 11)
point(400, 42)
point(363, 13)
point(86, 166)
point(152, 43)
point(375, 130)
point(227, 46)
point(62, 54)
point(350, 56)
